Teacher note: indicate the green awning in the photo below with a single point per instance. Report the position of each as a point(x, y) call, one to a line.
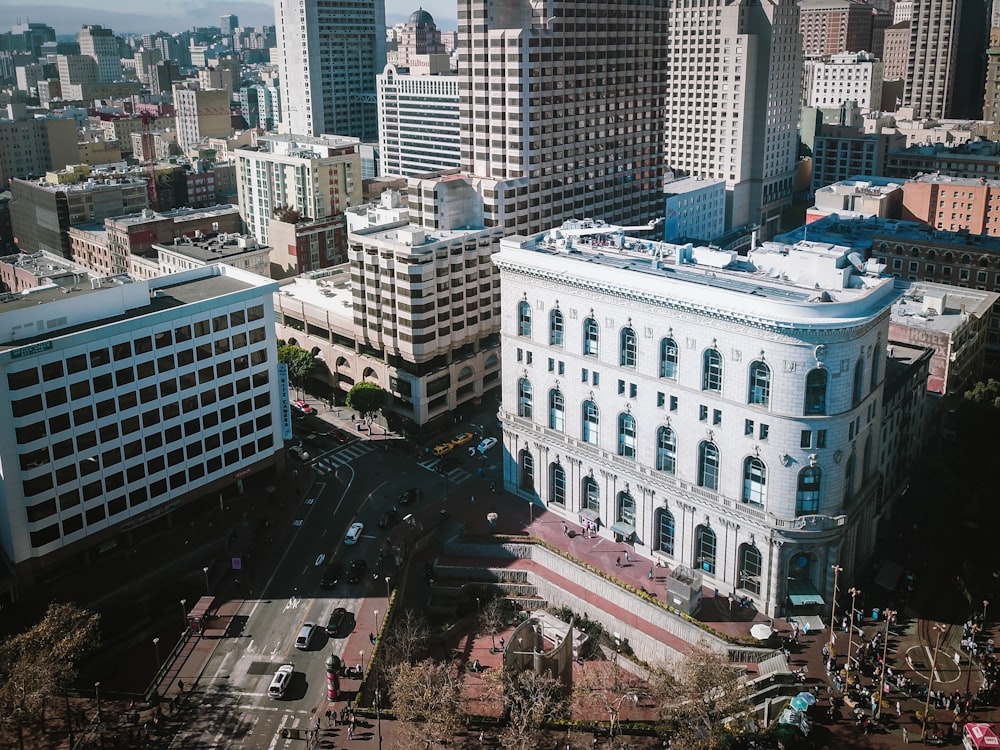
point(801, 593)
point(623, 529)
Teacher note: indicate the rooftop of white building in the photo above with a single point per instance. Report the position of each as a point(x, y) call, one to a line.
point(328, 289)
point(177, 214)
point(939, 307)
point(212, 247)
point(861, 233)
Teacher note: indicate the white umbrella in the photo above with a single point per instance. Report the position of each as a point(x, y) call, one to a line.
point(761, 631)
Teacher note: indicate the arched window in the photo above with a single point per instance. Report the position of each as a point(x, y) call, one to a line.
point(591, 494)
point(867, 465)
point(523, 318)
point(626, 508)
point(816, 391)
point(556, 328)
point(557, 410)
point(754, 480)
point(859, 382)
point(665, 531)
point(849, 474)
point(627, 347)
point(760, 384)
point(557, 484)
point(877, 355)
point(626, 435)
point(808, 491)
point(491, 361)
point(704, 548)
point(711, 376)
point(749, 568)
point(524, 398)
point(708, 465)
point(668, 358)
point(465, 373)
point(666, 450)
point(591, 337)
point(591, 422)
point(527, 464)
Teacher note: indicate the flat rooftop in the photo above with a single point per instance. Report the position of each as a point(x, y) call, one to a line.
point(217, 247)
point(939, 307)
point(328, 290)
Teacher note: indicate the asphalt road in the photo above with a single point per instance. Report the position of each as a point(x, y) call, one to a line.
point(234, 708)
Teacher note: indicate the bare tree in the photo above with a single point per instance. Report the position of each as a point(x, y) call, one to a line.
point(609, 689)
point(427, 701)
point(703, 697)
point(493, 617)
point(529, 700)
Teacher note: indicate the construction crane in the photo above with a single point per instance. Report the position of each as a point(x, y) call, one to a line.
point(147, 152)
point(573, 228)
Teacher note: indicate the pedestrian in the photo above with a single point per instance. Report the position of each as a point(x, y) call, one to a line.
point(472, 498)
point(899, 709)
point(627, 558)
point(565, 530)
point(649, 575)
point(501, 643)
point(350, 730)
point(482, 736)
point(906, 737)
point(180, 685)
point(618, 562)
point(805, 628)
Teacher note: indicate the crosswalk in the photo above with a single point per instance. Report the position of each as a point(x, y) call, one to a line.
point(339, 457)
point(456, 475)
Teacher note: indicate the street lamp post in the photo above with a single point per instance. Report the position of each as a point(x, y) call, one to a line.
point(531, 511)
point(479, 612)
point(388, 593)
point(376, 622)
point(97, 696)
point(890, 616)
point(850, 629)
point(940, 628)
point(156, 648)
point(833, 607)
point(208, 590)
point(184, 613)
point(362, 655)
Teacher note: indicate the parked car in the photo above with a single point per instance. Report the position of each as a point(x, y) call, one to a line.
point(338, 436)
point(354, 533)
point(442, 449)
point(461, 439)
point(411, 495)
point(298, 451)
point(486, 443)
point(334, 625)
point(387, 519)
point(305, 637)
point(334, 570)
point(302, 407)
point(280, 681)
point(357, 570)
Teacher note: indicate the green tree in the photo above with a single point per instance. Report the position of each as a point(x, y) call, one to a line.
point(300, 362)
point(41, 662)
point(367, 399)
point(427, 701)
point(987, 393)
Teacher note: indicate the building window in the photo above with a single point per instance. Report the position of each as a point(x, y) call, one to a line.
point(749, 568)
point(626, 435)
point(711, 376)
point(760, 384)
point(704, 542)
point(523, 318)
point(628, 344)
point(557, 410)
point(849, 472)
point(591, 422)
point(555, 328)
point(876, 356)
point(708, 465)
point(527, 463)
point(591, 337)
point(857, 392)
point(665, 531)
point(808, 490)
point(668, 358)
point(816, 391)
point(666, 450)
point(754, 480)
point(867, 466)
point(524, 398)
point(591, 494)
point(626, 508)
point(557, 484)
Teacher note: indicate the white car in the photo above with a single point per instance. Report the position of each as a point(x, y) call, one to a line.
point(280, 681)
point(354, 533)
point(486, 443)
point(305, 637)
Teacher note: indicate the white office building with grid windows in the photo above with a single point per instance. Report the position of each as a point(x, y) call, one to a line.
point(713, 411)
point(121, 400)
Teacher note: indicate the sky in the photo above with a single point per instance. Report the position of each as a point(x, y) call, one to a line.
point(147, 16)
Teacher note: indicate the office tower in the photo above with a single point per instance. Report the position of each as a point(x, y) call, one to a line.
point(201, 114)
point(417, 38)
point(748, 450)
point(945, 73)
point(328, 56)
point(733, 82)
point(832, 26)
point(418, 122)
point(228, 24)
point(260, 105)
point(100, 44)
point(108, 420)
point(561, 112)
point(845, 77)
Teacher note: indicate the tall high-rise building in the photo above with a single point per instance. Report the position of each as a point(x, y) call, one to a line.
point(328, 56)
point(417, 38)
point(201, 113)
point(732, 102)
point(832, 26)
point(560, 120)
point(418, 122)
point(228, 24)
point(100, 43)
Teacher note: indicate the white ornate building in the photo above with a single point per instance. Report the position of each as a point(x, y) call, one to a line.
point(713, 411)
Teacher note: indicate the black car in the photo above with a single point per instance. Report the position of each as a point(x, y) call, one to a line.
point(334, 569)
point(338, 618)
point(410, 495)
point(387, 519)
point(356, 571)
